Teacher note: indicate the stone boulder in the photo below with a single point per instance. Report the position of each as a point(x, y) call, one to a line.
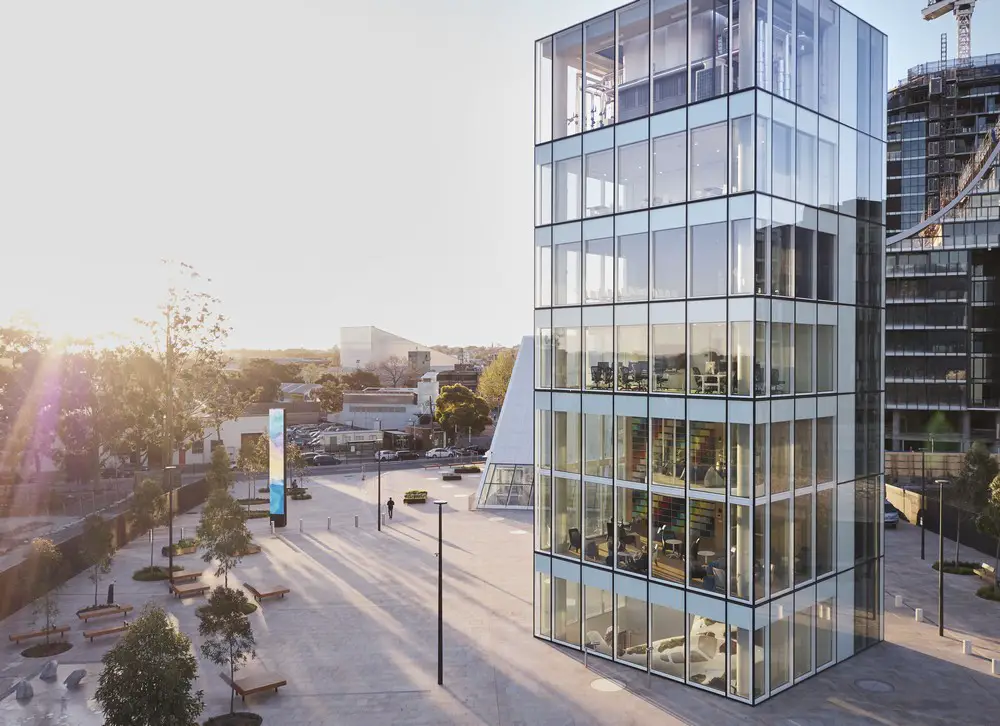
point(23, 691)
point(73, 679)
point(49, 671)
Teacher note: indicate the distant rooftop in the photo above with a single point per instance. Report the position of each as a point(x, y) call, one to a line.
point(924, 69)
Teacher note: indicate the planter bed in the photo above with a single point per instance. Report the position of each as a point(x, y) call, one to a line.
point(258, 514)
point(415, 496)
point(255, 500)
point(451, 477)
point(153, 574)
point(184, 547)
point(235, 719)
point(468, 470)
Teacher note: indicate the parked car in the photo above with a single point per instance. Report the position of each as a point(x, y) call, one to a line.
point(386, 455)
point(325, 460)
point(891, 518)
point(407, 455)
point(439, 454)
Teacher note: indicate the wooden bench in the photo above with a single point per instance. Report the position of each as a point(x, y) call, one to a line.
point(189, 590)
point(184, 576)
point(117, 610)
point(105, 631)
point(254, 683)
point(987, 573)
point(273, 591)
point(60, 631)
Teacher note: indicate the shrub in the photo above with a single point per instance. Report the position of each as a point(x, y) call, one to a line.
point(414, 493)
point(153, 574)
point(255, 500)
point(452, 477)
point(258, 514)
point(960, 568)
point(468, 470)
point(300, 497)
point(989, 592)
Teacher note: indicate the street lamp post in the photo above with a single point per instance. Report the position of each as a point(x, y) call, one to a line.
point(440, 504)
point(168, 472)
point(923, 501)
point(378, 502)
point(940, 483)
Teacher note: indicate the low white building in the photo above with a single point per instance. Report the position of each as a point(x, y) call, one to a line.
point(379, 408)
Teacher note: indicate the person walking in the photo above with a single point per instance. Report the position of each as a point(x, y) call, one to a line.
point(389, 505)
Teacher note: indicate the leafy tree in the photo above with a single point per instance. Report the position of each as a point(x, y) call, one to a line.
point(27, 398)
point(971, 487)
point(98, 549)
point(254, 460)
point(223, 533)
point(311, 373)
point(988, 521)
point(360, 379)
point(494, 380)
point(294, 462)
point(146, 509)
point(219, 475)
point(459, 409)
point(46, 570)
point(229, 639)
point(330, 396)
point(222, 397)
point(265, 376)
point(149, 676)
point(394, 370)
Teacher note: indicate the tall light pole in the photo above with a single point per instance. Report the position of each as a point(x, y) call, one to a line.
point(940, 483)
point(440, 504)
point(378, 502)
point(168, 472)
point(923, 501)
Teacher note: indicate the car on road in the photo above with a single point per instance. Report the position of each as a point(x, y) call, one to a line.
point(439, 454)
point(386, 455)
point(891, 518)
point(325, 460)
point(407, 455)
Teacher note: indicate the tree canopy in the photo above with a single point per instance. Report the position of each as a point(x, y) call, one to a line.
point(495, 378)
point(223, 532)
point(229, 639)
point(459, 410)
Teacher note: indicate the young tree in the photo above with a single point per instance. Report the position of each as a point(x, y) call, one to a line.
point(28, 397)
point(254, 460)
point(394, 370)
point(988, 522)
point(98, 549)
point(219, 475)
point(226, 629)
point(494, 380)
point(46, 569)
point(149, 676)
point(294, 462)
point(223, 532)
point(146, 509)
point(971, 487)
point(459, 409)
point(222, 397)
point(330, 396)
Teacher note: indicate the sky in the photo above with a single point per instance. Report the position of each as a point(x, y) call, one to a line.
point(324, 163)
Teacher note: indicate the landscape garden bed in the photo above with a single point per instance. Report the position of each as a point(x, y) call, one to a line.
point(251, 550)
point(452, 477)
point(258, 514)
point(236, 719)
point(183, 547)
point(415, 496)
point(989, 592)
point(154, 573)
point(250, 607)
point(255, 500)
point(46, 650)
point(961, 568)
point(468, 470)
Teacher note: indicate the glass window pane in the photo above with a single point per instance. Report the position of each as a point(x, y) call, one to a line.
point(567, 436)
point(783, 159)
point(633, 358)
point(829, 165)
point(566, 521)
point(825, 631)
point(761, 245)
point(804, 260)
point(803, 534)
point(709, 271)
point(566, 600)
point(600, 183)
point(599, 82)
point(707, 652)
point(633, 65)
point(760, 579)
point(543, 604)
point(566, 286)
point(826, 529)
point(568, 189)
point(760, 634)
point(631, 617)
point(743, 48)
point(668, 636)
point(740, 552)
point(669, 54)
point(781, 359)
point(782, 260)
point(826, 357)
point(829, 58)
point(543, 275)
point(543, 90)
point(568, 351)
point(633, 267)
point(599, 445)
point(567, 78)
point(543, 514)
point(633, 176)
point(598, 502)
point(669, 451)
point(826, 266)
point(806, 174)
point(708, 161)
point(741, 358)
point(599, 340)
point(599, 270)
point(669, 534)
point(707, 545)
point(805, 62)
point(543, 356)
point(543, 193)
point(669, 358)
point(632, 531)
point(803, 453)
point(760, 358)
point(803, 358)
point(707, 456)
point(804, 603)
point(783, 49)
point(741, 173)
point(669, 169)
point(543, 438)
point(781, 545)
point(708, 358)
point(740, 460)
point(598, 624)
point(781, 456)
point(742, 261)
point(632, 456)
point(824, 449)
point(669, 263)
point(864, 77)
point(709, 48)
point(763, 154)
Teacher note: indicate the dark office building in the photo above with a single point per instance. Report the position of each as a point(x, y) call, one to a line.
point(941, 345)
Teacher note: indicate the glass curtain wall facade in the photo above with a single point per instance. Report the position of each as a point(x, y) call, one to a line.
point(708, 328)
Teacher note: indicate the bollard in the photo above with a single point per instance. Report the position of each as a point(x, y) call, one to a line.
point(918, 615)
point(327, 524)
point(967, 647)
point(272, 528)
point(182, 533)
point(355, 520)
point(300, 525)
point(996, 666)
point(899, 601)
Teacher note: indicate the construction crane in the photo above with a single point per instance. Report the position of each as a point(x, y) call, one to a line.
point(963, 17)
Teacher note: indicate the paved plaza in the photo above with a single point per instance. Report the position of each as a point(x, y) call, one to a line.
point(356, 638)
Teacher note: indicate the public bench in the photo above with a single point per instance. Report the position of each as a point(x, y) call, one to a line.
point(246, 685)
point(273, 591)
point(196, 588)
point(91, 634)
point(115, 610)
point(60, 630)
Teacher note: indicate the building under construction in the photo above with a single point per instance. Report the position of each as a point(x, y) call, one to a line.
point(942, 355)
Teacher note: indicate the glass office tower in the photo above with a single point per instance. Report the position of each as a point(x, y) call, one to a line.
point(709, 233)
